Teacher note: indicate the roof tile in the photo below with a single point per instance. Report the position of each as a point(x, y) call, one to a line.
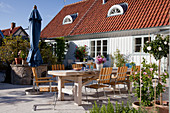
point(140, 14)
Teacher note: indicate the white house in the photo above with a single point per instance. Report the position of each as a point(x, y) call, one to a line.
point(107, 25)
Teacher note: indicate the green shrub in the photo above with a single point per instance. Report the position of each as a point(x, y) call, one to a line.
point(110, 109)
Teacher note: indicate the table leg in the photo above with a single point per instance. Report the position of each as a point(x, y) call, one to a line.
point(60, 86)
point(78, 91)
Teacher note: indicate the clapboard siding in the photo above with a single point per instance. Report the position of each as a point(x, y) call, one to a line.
point(126, 47)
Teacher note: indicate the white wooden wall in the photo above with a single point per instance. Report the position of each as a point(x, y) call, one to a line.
point(126, 46)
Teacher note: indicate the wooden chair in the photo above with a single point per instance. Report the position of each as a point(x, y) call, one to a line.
point(120, 78)
point(94, 65)
point(60, 67)
point(77, 65)
point(39, 80)
point(134, 69)
point(102, 81)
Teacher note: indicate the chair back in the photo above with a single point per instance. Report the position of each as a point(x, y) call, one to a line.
point(121, 73)
point(135, 69)
point(77, 65)
point(94, 65)
point(58, 67)
point(105, 75)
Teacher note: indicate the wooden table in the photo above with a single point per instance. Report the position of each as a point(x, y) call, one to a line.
point(77, 77)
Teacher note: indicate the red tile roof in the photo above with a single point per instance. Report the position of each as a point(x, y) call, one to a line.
point(9, 32)
point(140, 14)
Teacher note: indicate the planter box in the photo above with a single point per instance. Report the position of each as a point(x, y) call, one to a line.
point(22, 74)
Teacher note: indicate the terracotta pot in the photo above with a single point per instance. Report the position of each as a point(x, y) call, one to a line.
point(18, 60)
point(149, 109)
point(163, 108)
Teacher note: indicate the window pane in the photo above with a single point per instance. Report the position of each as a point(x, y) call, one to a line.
point(104, 42)
point(98, 43)
point(92, 43)
point(92, 54)
point(98, 53)
point(105, 48)
point(105, 55)
point(147, 39)
point(138, 40)
point(98, 48)
point(137, 48)
point(92, 49)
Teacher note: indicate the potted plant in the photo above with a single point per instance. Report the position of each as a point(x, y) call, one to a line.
point(81, 52)
point(147, 96)
point(100, 60)
point(159, 48)
point(22, 55)
point(120, 59)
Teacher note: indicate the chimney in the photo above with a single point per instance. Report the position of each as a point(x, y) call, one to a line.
point(104, 1)
point(12, 25)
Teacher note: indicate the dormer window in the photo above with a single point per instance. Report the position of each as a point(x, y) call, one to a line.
point(118, 9)
point(69, 18)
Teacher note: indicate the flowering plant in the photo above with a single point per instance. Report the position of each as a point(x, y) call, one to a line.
point(22, 54)
point(81, 52)
point(148, 73)
point(100, 59)
point(158, 47)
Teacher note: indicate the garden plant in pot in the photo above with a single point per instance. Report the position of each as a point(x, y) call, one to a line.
point(100, 60)
point(159, 48)
point(22, 55)
point(147, 95)
point(81, 52)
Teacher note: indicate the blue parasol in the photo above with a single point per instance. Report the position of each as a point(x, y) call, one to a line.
point(34, 57)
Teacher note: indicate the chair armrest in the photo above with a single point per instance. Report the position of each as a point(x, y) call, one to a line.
point(43, 78)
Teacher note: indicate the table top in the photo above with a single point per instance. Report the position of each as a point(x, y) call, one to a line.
point(71, 72)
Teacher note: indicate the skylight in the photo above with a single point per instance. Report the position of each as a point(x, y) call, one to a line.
point(68, 19)
point(117, 9)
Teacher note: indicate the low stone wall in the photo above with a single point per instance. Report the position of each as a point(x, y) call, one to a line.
point(22, 74)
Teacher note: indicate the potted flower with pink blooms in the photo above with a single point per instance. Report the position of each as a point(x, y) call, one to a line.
point(100, 60)
point(149, 73)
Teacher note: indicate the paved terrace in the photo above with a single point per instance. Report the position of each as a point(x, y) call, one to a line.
point(14, 100)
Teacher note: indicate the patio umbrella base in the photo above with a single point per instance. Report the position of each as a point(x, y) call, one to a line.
point(32, 92)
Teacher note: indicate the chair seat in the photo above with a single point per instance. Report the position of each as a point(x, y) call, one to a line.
point(43, 78)
point(118, 82)
point(96, 86)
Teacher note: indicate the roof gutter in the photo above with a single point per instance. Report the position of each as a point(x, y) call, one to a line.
point(133, 32)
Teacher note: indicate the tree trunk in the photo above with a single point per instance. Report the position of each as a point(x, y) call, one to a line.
point(159, 72)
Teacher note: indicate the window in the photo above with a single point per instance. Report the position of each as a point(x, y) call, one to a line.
point(118, 9)
point(139, 43)
point(98, 47)
point(69, 18)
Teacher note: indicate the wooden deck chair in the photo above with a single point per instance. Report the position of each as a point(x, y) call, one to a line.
point(102, 81)
point(77, 65)
point(134, 69)
point(60, 67)
point(94, 65)
point(39, 80)
point(120, 78)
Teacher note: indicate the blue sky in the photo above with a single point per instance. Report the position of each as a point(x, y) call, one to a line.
point(18, 11)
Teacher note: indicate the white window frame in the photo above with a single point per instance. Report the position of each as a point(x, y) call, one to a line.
point(101, 46)
point(142, 43)
point(115, 7)
point(69, 17)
